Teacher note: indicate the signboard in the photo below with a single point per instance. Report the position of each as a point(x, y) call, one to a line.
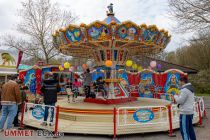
point(143, 115)
point(38, 112)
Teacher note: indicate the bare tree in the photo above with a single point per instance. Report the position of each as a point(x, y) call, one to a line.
point(40, 18)
point(191, 14)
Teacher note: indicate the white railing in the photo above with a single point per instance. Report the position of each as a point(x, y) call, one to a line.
point(35, 112)
point(161, 116)
point(125, 115)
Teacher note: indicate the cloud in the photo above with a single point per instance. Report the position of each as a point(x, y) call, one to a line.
point(138, 11)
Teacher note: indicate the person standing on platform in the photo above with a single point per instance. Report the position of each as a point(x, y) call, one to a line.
point(186, 103)
point(87, 82)
point(10, 99)
point(50, 88)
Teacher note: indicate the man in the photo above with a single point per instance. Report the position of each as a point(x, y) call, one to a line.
point(186, 101)
point(87, 82)
point(50, 89)
point(10, 99)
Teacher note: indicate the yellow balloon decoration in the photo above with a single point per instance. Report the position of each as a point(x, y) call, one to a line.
point(134, 66)
point(129, 63)
point(66, 65)
point(140, 68)
point(61, 68)
point(108, 63)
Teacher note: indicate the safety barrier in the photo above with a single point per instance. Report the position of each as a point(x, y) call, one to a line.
point(116, 121)
point(35, 113)
point(153, 116)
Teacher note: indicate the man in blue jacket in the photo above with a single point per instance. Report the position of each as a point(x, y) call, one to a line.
point(186, 103)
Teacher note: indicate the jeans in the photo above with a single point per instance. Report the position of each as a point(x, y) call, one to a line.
point(16, 121)
point(8, 113)
point(47, 112)
point(186, 127)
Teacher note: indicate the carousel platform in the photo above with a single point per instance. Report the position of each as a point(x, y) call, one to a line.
point(110, 101)
point(90, 118)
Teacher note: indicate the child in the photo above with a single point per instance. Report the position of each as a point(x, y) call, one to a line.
point(75, 89)
point(100, 87)
point(69, 92)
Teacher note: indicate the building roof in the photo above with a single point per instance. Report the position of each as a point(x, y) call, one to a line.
point(145, 62)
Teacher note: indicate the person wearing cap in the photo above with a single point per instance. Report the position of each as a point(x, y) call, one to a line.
point(10, 99)
point(50, 88)
point(186, 103)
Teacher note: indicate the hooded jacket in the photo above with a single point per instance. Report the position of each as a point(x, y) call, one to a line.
point(50, 89)
point(186, 99)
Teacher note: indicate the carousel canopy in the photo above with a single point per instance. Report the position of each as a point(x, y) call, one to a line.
point(110, 39)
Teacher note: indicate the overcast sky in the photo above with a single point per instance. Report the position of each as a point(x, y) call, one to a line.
point(138, 11)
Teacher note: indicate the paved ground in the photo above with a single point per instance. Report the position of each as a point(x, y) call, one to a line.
point(203, 133)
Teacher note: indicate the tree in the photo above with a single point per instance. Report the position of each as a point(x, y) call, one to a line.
point(40, 18)
point(171, 57)
point(191, 14)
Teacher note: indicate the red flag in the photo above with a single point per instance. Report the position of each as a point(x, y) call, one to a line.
point(20, 55)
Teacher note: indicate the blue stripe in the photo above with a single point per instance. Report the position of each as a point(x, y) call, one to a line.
point(184, 127)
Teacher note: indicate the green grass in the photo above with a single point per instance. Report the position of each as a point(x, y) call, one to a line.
point(203, 94)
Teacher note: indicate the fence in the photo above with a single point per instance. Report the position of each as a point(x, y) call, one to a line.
point(36, 113)
point(120, 120)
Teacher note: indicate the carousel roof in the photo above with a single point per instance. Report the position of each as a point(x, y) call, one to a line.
point(110, 39)
point(111, 18)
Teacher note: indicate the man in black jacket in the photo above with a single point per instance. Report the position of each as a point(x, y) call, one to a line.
point(50, 88)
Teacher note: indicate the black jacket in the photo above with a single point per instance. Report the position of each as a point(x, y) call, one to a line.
point(50, 89)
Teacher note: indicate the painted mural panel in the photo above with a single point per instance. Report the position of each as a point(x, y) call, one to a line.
point(172, 83)
point(30, 80)
point(145, 85)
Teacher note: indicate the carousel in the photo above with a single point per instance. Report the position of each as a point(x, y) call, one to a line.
point(112, 44)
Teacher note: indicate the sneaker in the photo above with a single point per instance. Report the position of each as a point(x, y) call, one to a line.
point(51, 124)
point(44, 123)
point(1, 130)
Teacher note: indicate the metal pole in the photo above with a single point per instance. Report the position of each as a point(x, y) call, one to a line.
point(22, 115)
point(171, 134)
point(56, 120)
point(204, 108)
point(199, 114)
point(114, 121)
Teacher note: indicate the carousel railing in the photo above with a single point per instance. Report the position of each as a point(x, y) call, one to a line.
point(123, 118)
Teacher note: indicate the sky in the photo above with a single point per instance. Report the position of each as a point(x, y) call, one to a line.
point(138, 11)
